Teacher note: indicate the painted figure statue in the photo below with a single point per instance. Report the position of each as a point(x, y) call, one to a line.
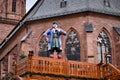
point(53, 37)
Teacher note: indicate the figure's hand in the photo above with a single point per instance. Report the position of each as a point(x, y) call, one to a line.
point(47, 39)
point(62, 32)
point(58, 29)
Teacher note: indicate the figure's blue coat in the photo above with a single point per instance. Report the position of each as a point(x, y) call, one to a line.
point(49, 33)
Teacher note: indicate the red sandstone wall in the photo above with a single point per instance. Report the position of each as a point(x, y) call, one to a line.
point(5, 30)
point(87, 40)
point(6, 9)
point(106, 23)
point(66, 22)
point(9, 19)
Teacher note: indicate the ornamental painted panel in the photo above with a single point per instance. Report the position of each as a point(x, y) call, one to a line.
point(73, 46)
point(43, 47)
point(103, 44)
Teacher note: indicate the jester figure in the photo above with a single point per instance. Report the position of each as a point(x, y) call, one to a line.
point(53, 37)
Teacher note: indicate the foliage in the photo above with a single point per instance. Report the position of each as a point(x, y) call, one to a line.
point(22, 56)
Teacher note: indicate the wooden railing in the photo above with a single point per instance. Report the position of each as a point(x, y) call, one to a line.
point(83, 69)
point(111, 72)
point(118, 67)
point(21, 66)
point(62, 67)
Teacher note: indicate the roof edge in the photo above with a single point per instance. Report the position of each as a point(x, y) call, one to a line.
point(73, 12)
point(16, 28)
point(117, 30)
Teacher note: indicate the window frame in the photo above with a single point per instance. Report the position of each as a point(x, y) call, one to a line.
point(13, 5)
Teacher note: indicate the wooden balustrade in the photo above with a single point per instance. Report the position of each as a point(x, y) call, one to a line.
point(45, 65)
point(21, 66)
point(111, 72)
point(118, 67)
point(65, 68)
point(83, 69)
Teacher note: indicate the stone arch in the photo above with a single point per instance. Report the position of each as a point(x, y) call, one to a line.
point(103, 45)
point(72, 49)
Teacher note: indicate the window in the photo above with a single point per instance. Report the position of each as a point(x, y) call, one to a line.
point(14, 6)
point(63, 4)
point(73, 46)
point(43, 47)
point(103, 44)
point(107, 3)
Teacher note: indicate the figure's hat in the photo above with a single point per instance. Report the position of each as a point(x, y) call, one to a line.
point(54, 22)
point(54, 25)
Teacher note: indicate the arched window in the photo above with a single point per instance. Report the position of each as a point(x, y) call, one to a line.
point(73, 46)
point(103, 44)
point(43, 47)
point(14, 6)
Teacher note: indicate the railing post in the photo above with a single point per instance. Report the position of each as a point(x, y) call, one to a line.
point(15, 68)
point(30, 55)
point(105, 58)
point(101, 70)
point(67, 68)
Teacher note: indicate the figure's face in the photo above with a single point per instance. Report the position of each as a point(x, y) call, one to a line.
point(55, 26)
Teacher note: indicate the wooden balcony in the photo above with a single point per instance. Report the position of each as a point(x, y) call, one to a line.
point(111, 72)
point(43, 68)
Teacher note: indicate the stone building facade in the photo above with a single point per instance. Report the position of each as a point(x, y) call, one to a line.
point(11, 12)
point(92, 26)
